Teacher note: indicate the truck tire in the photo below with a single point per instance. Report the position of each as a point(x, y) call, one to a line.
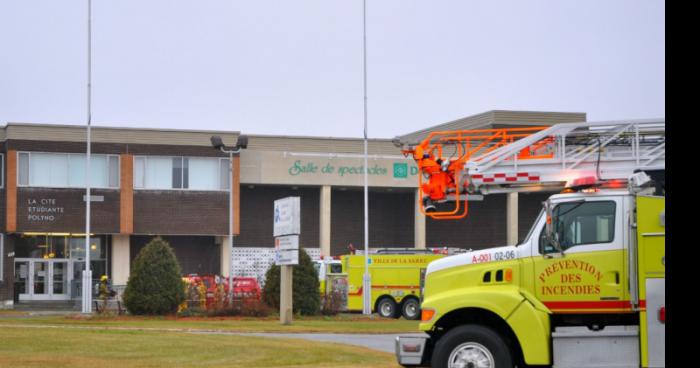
point(471, 346)
point(386, 307)
point(410, 309)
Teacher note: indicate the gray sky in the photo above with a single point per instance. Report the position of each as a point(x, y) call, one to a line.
point(295, 67)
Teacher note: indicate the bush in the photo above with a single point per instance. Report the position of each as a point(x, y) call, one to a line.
point(332, 303)
point(306, 299)
point(155, 285)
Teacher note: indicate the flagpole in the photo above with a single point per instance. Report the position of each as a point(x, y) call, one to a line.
point(367, 278)
point(87, 273)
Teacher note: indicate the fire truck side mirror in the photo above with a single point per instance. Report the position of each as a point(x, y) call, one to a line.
point(550, 227)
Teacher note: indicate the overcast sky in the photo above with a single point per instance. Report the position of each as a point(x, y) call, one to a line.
point(294, 67)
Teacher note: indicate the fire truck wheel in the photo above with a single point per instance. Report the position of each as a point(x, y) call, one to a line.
point(386, 307)
point(471, 346)
point(410, 309)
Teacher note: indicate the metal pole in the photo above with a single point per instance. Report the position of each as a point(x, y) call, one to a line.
point(230, 226)
point(87, 273)
point(367, 278)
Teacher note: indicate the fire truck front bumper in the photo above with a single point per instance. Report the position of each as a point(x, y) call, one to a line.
point(412, 350)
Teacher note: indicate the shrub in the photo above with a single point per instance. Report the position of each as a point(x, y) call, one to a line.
point(155, 285)
point(332, 303)
point(253, 307)
point(306, 298)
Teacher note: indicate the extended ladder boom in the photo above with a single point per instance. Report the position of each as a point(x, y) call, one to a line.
point(485, 161)
point(608, 150)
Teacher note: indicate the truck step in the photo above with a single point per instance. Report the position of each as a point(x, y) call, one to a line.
point(610, 347)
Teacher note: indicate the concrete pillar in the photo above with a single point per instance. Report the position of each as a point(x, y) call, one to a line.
point(121, 259)
point(512, 219)
point(286, 299)
point(225, 255)
point(325, 221)
point(419, 224)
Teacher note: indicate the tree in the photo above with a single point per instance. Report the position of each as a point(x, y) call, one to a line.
point(306, 299)
point(155, 285)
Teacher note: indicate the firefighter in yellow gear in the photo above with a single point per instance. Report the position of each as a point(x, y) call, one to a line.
point(202, 291)
point(106, 290)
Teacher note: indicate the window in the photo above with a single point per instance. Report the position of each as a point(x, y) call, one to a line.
point(66, 170)
point(580, 223)
point(194, 173)
point(224, 173)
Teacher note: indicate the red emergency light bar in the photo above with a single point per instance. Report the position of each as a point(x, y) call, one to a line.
point(591, 183)
point(584, 182)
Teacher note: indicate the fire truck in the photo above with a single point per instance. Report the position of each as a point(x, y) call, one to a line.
point(586, 288)
point(396, 280)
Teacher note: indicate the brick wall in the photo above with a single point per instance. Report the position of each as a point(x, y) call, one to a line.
point(529, 206)
point(154, 212)
point(195, 254)
point(257, 207)
point(7, 284)
point(180, 212)
point(485, 224)
point(391, 219)
point(104, 219)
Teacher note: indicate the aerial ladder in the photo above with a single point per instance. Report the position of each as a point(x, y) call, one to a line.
point(456, 164)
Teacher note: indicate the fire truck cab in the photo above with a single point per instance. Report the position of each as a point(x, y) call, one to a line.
point(586, 288)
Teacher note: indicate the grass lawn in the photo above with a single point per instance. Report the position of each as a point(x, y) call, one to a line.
point(66, 347)
point(346, 323)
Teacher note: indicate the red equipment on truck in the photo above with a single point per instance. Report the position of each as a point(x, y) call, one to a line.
point(243, 287)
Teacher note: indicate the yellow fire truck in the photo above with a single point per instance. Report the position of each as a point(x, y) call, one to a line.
point(396, 280)
point(586, 288)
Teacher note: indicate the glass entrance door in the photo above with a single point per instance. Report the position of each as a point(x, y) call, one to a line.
point(42, 279)
point(59, 279)
point(22, 277)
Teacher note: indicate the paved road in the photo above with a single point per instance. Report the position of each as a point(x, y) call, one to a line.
point(381, 342)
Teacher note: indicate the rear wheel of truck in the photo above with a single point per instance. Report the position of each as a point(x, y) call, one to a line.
point(471, 346)
point(386, 307)
point(410, 309)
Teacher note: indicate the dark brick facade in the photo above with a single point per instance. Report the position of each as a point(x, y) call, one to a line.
point(172, 212)
point(391, 219)
point(7, 283)
point(180, 212)
point(69, 210)
point(196, 254)
point(485, 224)
point(529, 206)
point(257, 207)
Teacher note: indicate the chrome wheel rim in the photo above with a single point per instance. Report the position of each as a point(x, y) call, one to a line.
point(471, 355)
point(411, 309)
point(386, 309)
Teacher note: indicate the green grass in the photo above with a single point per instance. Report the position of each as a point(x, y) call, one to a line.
point(103, 348)
point(336, 324)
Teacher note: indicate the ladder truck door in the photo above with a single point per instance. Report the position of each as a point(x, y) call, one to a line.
point(586, 274)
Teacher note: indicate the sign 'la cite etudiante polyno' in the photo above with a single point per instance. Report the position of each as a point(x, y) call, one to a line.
point(43, 209)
